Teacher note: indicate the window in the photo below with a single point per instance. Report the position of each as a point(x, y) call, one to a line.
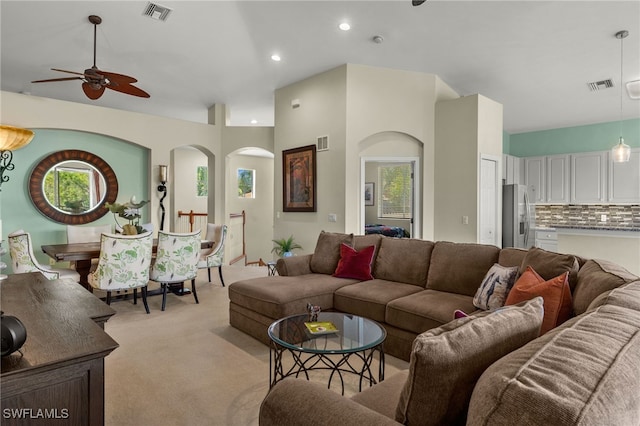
point(202, 181)
point(72, 189)
point(246, 183)
point(395, 194)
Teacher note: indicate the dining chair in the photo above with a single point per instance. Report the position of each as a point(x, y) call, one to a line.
point(176, 261)
point(123, 265)
point(23, 260)
point(214, 256)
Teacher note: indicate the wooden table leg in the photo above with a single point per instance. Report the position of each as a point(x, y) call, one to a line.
point(83, 267)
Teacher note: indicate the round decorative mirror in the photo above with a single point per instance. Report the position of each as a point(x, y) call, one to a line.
point(72, 187)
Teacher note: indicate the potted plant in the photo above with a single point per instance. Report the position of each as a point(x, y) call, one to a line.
point(284, 246)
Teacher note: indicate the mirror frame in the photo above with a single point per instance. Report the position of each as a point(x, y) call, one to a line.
point(36, 187)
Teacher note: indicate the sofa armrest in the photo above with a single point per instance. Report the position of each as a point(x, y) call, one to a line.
point(300, 402)
point(294, 265)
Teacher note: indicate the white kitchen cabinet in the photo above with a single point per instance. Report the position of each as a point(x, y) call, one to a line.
point(624, 180)
point(547, 239)
point(511, 169)
point(535, 177)
point(589, 177)
point(557, 179)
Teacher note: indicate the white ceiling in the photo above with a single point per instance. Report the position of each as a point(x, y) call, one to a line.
point(534, 57)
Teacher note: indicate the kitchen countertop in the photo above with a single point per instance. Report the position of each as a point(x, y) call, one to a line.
point(591, 231)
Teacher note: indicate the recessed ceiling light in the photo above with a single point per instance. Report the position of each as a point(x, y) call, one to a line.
point(275, 57)
point(254, 121)
point(344, 26)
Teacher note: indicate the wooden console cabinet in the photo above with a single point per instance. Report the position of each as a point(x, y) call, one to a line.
point(59, 377)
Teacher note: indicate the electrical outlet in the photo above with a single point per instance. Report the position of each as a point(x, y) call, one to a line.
point(333, 217)
point(603, 218)
point(465, 220)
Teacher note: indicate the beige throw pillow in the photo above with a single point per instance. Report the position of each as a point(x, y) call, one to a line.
point(447, 361)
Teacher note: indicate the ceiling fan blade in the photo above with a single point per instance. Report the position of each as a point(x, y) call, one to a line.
point(57, 79)
point(128, 89)
point(120, 78)
point(70, 72)
point(91, 92)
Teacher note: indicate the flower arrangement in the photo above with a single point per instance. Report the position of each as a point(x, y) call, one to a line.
point(130, 211)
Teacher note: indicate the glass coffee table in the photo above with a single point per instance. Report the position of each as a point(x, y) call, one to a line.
point(350, 349)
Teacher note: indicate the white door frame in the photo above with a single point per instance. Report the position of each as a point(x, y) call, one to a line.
point(416, 228)
point(498, 198)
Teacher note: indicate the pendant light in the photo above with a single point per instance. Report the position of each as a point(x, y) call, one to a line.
point(621, 152)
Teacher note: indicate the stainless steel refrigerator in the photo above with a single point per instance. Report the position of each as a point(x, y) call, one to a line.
point(517, 217)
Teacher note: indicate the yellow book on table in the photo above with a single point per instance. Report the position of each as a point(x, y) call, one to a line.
point(320, 327)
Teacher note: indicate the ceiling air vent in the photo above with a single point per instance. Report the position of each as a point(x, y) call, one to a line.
point(601, 85)
point(155, 11)
point(323, 143)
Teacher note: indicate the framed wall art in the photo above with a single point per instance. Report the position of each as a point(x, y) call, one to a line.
point(369, 194)
point(299, 179)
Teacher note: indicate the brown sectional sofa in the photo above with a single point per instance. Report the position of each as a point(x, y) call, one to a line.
point(583, 372)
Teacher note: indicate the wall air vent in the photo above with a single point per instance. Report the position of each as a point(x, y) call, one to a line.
point(157, 12)
point(323, 143)
point(601, 85)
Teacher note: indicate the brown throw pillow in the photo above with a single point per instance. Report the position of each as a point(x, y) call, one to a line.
point(447, 361)
point(324, 259)
point(555, 292)
point(549, 264)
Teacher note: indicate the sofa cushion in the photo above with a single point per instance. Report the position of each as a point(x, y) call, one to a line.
point(277, 297)
point(355, 263)
point(595, 278)
point(555, 292)
point(582, 373)
point(362, 241)
point(495, 286)
point(446, 362)
point(383, 397)
point(511, 256)
point(404, 260)
point(626, 296)
point(425, 310)
point(460, 267)
point(369, 298)
point(549, 264)
point(327, 253)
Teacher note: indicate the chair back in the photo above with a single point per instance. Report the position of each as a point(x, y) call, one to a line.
point(22, 258)
point(86, 234)
point(124, 261)
point(214, 256)
point(177, 257)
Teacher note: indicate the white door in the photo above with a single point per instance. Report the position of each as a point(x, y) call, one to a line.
point(488, 206)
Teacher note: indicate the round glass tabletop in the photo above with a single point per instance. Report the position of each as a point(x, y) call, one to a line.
point(352, 333)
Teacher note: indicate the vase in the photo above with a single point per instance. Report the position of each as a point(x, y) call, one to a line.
point(129, 230)
point(287, 254)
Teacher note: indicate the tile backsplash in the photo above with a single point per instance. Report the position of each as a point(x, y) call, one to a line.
point(622, 217)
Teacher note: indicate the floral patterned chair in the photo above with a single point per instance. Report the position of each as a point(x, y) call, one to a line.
point(214, 257)
point(23, 260)
point(123, 265)
point(176, 261)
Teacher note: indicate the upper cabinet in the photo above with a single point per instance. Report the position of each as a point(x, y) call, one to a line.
point(512, 169)
point(534, 175)
point(624, 180)
point(589, 177)
point(582, 178)
point(557, 179)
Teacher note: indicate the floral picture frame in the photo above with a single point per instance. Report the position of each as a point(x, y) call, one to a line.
point(299, 179)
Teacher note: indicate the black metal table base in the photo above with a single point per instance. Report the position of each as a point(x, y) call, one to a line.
point(303, 362)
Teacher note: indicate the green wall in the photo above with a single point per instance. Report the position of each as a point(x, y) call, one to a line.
point(128, 161)
point(592, 137)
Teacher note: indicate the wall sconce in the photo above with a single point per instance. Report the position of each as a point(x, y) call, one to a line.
point(11, 138)
point(162, 188)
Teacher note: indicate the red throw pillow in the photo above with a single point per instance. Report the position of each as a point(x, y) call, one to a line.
point(555, 292)
point(355, 264)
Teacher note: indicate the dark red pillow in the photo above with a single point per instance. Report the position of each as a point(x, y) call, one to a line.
point(355, 264)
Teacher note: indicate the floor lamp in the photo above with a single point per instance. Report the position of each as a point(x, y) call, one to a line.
point(162, 188)
point(11, 138)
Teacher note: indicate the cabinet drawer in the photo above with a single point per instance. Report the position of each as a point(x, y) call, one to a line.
point(547, 235)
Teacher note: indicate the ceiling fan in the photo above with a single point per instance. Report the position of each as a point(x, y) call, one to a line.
point(96, 80)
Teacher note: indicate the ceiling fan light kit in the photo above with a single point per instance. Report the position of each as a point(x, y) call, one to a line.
point(95, 80)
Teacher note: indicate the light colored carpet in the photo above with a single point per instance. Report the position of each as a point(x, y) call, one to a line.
point(187, 365)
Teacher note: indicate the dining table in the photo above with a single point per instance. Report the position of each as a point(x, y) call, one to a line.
point(82, 254)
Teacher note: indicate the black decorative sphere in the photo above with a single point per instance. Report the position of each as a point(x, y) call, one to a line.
point(14, 334)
